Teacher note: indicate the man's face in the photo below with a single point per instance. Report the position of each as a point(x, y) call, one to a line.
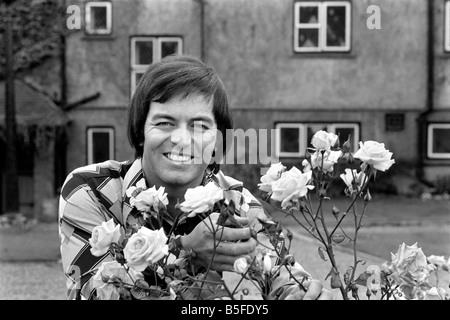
point(177, 136)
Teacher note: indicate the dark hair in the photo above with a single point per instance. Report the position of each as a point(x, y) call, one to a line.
point(172, 76)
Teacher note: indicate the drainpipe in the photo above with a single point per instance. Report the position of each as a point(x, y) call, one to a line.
point(202, 29)
point(63, 75)
point(422, 119)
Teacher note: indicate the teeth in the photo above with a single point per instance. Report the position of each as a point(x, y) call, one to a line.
point(176, 157)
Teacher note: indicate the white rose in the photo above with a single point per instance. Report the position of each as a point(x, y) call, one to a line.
point(330, 158)
point(145, 247)
point(102, 237)
point(107, 291)
point(353, 178)
point(306, 165)
point(410, 261)
point(149, 198)
point(201, 199)
point(292, 185)
point(323, 140)
point(140, 186)
point(240, 265)
point(375, 154)
point(272, 175)
point(438, 261)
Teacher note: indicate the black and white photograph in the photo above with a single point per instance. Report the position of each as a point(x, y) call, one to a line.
point(225, 150)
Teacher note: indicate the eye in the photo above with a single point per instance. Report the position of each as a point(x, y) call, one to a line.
point(163, 124)
point(200, 126)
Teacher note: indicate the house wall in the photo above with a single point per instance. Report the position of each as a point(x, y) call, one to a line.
point(250, 44)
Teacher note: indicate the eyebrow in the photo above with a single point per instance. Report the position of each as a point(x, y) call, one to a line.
point(166, 116)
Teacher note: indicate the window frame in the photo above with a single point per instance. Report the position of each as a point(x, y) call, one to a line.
point(89, 142)
point(302, 133)
point(156, 45)
point(430, 153)
point(321, 26)
point(447, 27)
point(88, 29)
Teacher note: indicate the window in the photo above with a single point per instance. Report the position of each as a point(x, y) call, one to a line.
point(322, 26)
point(98, 17)
point(100, 144)
point(447, 26)
point(438, 144)
point(146, 50)
point(292, 139)
point(394, 121)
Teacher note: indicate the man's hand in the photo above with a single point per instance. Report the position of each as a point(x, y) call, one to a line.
point(234, 243)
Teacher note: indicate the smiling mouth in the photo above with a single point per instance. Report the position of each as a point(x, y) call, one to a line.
point(178, 158)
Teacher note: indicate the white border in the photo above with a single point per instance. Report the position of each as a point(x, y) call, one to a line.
point(301, 144)
point(108, 7)
point(90, 132)
point(430, 153)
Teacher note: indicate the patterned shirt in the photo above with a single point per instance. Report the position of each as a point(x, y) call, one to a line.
point(97, 193)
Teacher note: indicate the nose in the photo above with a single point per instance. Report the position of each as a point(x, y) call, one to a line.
point(181, 137)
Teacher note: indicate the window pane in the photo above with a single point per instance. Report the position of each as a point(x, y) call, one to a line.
point(100, 146)
point(441, 141)
point(289, 140)
point(308, 37)
point(98, 17)
point(309, 15)
point(336, 26)
point(168, 48)
point(144, 52)
point(343, 134)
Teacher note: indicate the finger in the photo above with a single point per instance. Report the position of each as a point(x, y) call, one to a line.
point(222, 267)
point(313, 289)
point(236, 249)
point(230, 260)
point(233, 234)
point(241, 220)
point(326, 295)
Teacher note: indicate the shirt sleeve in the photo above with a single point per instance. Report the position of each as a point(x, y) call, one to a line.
point(79, 213)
